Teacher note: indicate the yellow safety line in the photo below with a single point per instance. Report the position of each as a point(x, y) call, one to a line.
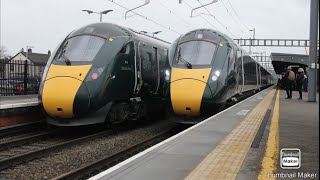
point(225, 160)
point(269, 162)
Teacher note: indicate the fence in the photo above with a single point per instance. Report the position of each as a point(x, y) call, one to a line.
point(19, 77)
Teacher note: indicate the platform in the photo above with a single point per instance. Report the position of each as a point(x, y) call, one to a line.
point(8, 102)
point(18, 110)
point(241, 142)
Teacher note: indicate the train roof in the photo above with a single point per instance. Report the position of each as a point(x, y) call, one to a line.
point(149, 38)
point(221, 38)
point(207, 33)
point(109, 30)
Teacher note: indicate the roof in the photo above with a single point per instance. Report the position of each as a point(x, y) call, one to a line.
point(281, 61)
point(108, 30)
point(36, 58)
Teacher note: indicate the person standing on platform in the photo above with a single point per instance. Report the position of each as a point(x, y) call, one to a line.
point(299, 81)
point(289, 77)
point(305, 83)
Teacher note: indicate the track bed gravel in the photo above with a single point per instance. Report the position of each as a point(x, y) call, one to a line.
point(76, 156)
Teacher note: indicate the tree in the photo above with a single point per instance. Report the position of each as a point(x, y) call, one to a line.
point(3, 51)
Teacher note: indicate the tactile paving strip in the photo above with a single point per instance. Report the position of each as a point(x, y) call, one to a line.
point(225, 160)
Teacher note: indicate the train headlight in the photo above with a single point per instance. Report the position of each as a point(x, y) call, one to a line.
point(94, 74)
point(167, 75)
point(214, 78)
point(217, 73)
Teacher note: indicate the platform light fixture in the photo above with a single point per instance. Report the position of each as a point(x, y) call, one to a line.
point(100, 13)
point(157, 32)
point(254, 37)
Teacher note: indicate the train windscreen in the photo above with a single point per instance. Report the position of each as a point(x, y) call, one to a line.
point(81, 49)
point(196, 52)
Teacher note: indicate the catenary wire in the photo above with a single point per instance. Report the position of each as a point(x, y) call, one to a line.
point(145, 17)
point(201, 16)
point(179, 17)
point(217, 20)
point(235, 12)
point(233, 18)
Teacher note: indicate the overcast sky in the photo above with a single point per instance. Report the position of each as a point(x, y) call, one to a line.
point(44, 23)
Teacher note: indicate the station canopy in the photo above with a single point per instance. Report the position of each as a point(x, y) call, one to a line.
point(281, 61)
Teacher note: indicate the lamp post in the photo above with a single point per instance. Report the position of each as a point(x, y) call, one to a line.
point(254, 37)
point(100, 13)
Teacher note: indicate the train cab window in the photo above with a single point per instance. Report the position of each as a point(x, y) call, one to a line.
point(221, 57)
point(125, 49)
point(172, 49)
point(196, 52)
point(79, 49)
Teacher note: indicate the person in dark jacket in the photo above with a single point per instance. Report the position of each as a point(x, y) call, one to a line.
point(289, 78)
point(305, 83)
point(299, 81)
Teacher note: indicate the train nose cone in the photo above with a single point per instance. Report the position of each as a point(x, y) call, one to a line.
point(186, 96)
point(58, 97)
point(187, 88)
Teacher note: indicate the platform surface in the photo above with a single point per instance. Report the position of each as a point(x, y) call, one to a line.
point(7, 102)
point(295, 126)
point(176, 157)
point(221, 146)
point(299, 128)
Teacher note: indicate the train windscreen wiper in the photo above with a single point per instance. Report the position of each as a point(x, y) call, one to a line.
point(65, 58)
point(185, 62)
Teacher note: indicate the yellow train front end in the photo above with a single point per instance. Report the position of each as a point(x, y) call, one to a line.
point(199, 79)
point(61, 86)
point(187, 89)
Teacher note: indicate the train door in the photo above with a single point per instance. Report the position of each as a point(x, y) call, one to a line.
point(231, 71)
point(150, 69)
point(258, 70)
point(239, 67)
point(258, 74)
point(137, 69)
point(124, 71)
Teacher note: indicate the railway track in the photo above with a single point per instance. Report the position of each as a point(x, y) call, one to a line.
point(84, 155)
point(89, 170)
point(104, 163)
point(21, 129)
point(26, 149)
point(23, 139)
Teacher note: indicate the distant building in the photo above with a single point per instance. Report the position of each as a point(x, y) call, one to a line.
point(36, 63)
